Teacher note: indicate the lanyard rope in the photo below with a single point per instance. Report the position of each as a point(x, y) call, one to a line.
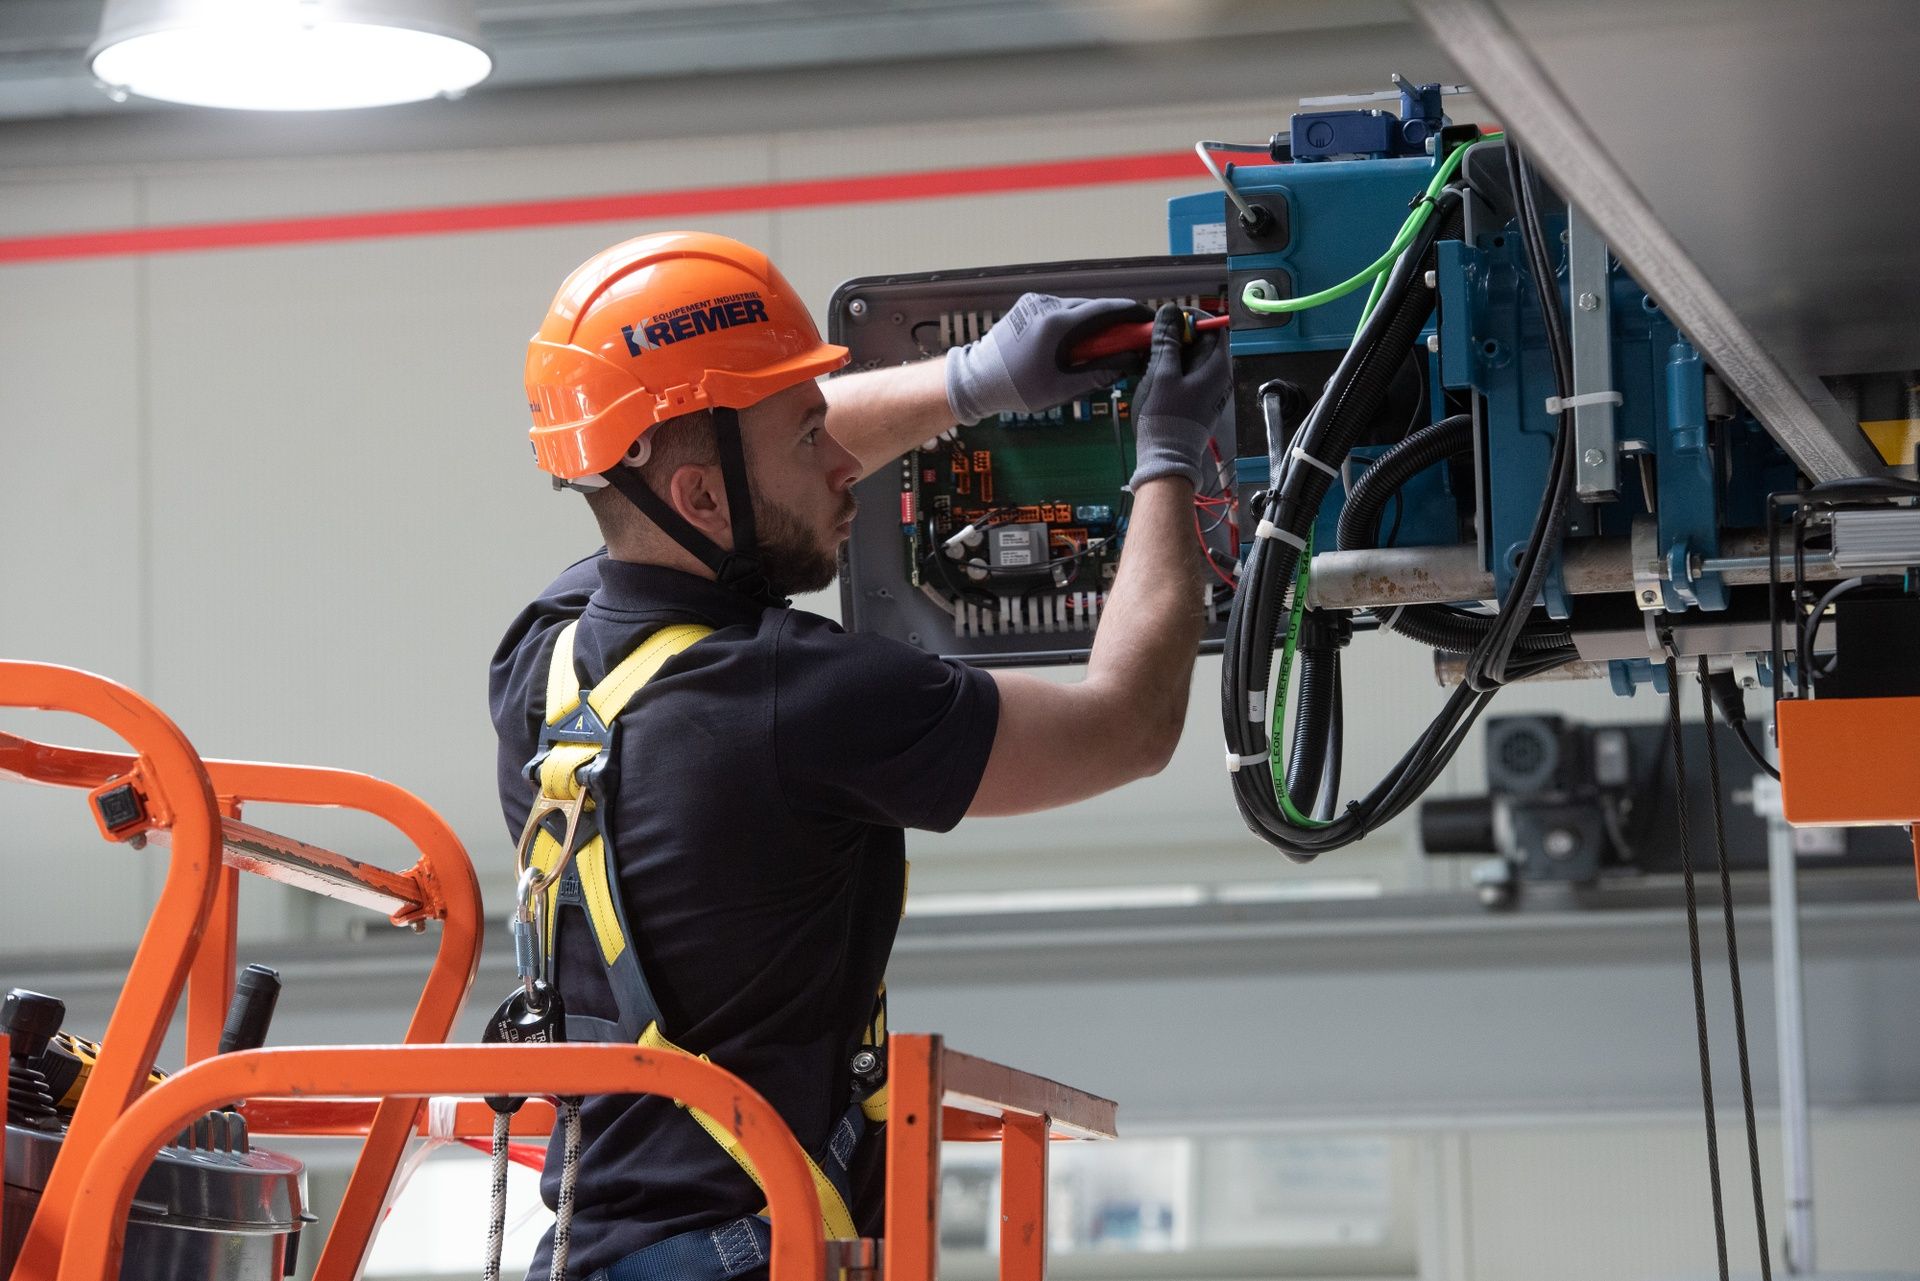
point(563, 1204)
point(497, 1206)
point(569, 1172)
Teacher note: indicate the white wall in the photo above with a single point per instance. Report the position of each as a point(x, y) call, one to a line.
point(284, 492)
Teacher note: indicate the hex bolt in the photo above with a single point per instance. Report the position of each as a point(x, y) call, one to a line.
point(1594, 457)
point(1588, 302)
point(1649, 597)
point(1560, 843)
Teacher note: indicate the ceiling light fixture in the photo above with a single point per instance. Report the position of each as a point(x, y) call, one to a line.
point(288, 55)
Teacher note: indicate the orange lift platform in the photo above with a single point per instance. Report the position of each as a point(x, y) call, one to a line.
point(163, 792)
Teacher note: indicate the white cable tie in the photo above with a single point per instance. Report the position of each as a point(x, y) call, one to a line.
point(442, 1112)
point(1311, 461)
point(1236, 763)
point(1393, 617)
point(1555, 404)
point(1267, 529)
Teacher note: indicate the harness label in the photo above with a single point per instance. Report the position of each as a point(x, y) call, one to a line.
point(708, 316)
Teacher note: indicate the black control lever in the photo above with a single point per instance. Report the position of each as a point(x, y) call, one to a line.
point(30, 1020)
point(254, 997)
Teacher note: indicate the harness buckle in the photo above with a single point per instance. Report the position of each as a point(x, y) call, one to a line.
point(531, 882)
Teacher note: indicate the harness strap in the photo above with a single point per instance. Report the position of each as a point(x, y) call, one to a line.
point(559, 767)
point(835, 1217)
point(570, 764)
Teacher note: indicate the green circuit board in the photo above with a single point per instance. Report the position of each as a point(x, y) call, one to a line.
point(1064, 470)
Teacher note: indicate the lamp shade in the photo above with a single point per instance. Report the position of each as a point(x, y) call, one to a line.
point(289, 55)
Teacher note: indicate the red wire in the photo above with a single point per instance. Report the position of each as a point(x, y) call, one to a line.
point(1233, 511)
point(1207, 551)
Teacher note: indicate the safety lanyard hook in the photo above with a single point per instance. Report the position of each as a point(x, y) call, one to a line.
point(529, 935)
point(571, 807)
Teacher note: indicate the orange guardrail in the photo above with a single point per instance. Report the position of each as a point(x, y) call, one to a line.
point(96, 1228)
point(380, 1093)
point(193, 806)
point(971, 1097)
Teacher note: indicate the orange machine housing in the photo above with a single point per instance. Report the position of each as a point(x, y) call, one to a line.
point(1851, 761)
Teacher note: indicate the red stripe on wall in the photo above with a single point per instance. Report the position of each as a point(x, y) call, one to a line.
point(811, 193)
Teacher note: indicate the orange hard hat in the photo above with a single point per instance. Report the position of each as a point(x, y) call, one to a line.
point(656, 327)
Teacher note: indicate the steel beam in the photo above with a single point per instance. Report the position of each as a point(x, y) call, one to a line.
point(1507, 71)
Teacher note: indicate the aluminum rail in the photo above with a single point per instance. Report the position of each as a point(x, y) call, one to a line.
point(1790, 1030)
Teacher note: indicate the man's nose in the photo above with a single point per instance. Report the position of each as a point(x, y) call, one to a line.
point(842, 467)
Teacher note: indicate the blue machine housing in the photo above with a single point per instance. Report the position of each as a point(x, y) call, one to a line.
point(1337, 216)
point(1340, 214)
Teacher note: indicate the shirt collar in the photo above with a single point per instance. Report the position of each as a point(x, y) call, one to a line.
point(631, 589)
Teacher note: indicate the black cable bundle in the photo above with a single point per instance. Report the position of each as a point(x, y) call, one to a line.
point(1490, 665)
point(1454, 631)
point(1509, 646)
point(1352, 398)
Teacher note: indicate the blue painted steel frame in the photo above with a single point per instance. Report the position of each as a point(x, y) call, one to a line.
point(1342, 214)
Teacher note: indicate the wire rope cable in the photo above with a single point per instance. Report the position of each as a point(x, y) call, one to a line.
point(1693, 949)
point(1733, 975)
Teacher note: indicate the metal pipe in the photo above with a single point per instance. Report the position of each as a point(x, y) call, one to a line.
point(1389, 576)
point(1451, 669)
point(1790, 1031)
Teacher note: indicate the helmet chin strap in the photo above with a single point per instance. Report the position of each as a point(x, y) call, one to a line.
point(738, 570)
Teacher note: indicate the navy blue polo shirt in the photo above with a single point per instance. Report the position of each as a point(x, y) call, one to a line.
point(765, 777)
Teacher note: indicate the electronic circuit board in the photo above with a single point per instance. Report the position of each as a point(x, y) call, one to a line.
point(998, 542)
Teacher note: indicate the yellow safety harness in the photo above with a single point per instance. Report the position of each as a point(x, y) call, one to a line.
point(566, 871)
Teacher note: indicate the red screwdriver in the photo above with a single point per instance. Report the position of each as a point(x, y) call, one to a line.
point(1131, 336)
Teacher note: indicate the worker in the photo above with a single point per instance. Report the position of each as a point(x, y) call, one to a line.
point(747, 878)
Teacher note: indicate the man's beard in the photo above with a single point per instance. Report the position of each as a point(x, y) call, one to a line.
point(792, 558)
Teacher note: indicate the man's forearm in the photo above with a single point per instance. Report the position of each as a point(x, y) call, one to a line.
point(1150, 629)
point(879, 414)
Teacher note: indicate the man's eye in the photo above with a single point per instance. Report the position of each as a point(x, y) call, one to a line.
point(808, 439)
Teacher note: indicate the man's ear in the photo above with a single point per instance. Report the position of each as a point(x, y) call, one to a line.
point(699, 494)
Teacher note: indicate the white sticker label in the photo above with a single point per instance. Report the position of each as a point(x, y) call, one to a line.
point(1210, 238)
point(1013, 556)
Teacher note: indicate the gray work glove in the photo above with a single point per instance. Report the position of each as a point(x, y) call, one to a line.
point(1179, 403)
point(1020, 367)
